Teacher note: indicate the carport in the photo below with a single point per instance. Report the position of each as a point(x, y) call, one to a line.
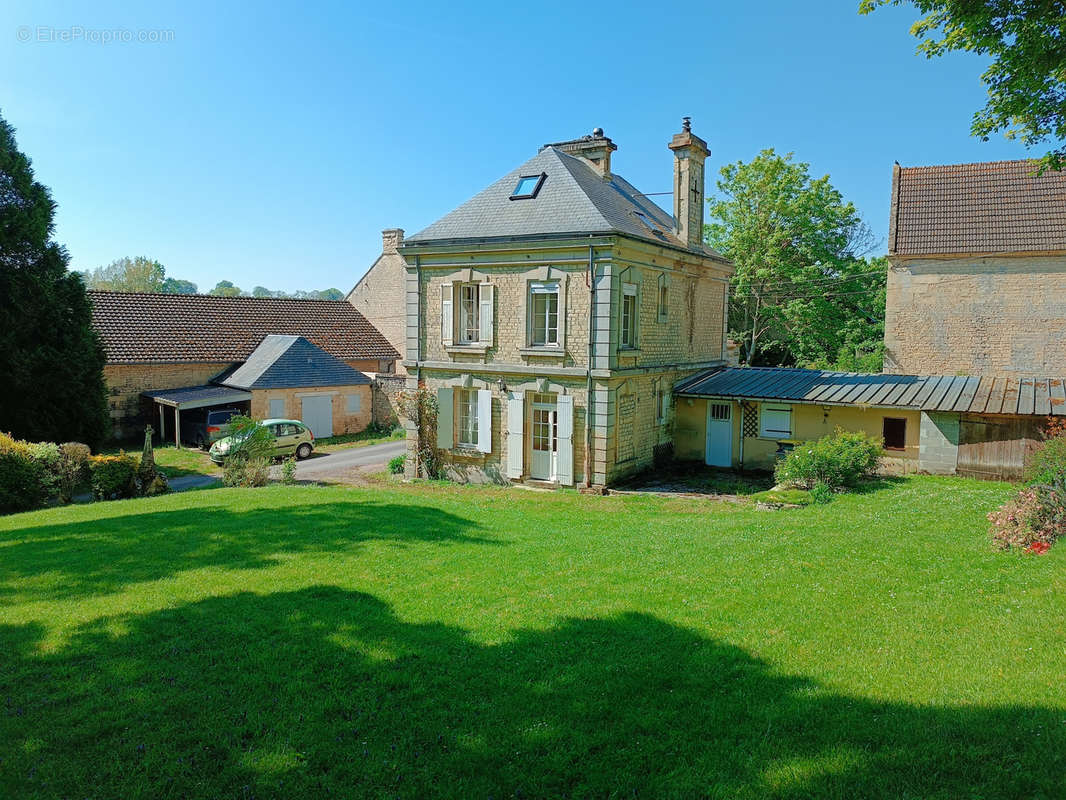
point(190, 397)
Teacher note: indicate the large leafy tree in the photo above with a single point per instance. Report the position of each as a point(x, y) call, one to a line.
point(803, 292)
point(1026, 41)
point(140, 274)
point(51, 361)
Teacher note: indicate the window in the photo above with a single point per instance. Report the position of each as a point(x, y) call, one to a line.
point(629, 315)
point(664, 298)
point(469, 329)
point(355, 403)
point(775, 422)
point(467, 401)
point(894, 431)
point(528, 186)
point(662, 404)
point(277, 407)
point(544, 314)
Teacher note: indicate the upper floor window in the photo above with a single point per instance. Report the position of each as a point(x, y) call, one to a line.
point(544, 314)
point(664, 298)
point(471, 322)
point(629, 315)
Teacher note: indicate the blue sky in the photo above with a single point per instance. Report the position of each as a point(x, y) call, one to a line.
point(270, 147)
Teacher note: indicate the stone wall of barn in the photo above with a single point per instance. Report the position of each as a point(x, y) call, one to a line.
point(999, 315)
point(125, 382)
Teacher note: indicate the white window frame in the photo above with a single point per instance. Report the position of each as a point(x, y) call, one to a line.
point(769, 421)
point(627, 334)
point(545, 289)
point(466, 418)
point(469, 316)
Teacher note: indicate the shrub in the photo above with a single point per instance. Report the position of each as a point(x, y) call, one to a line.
point(73, 469)
point(821, 494)
point(46, 456)
point(1047, 463)
point(245, 472)
point(150, 481)
point(113, 477)
point(396, 465)
point(288, 470)
point(22, 480)
point(1024, 522)
point(837, 461)
point(250, 440)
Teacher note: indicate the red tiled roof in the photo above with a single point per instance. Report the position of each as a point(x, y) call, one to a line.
point(992, 207)
point(141, 328)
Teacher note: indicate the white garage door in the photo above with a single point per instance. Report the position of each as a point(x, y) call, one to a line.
point(318, 415)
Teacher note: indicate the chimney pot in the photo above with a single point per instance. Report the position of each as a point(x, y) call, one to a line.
point(594, 149)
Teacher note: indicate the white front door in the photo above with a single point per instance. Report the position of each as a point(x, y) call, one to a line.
point(545, 440)
point(318, 415)
point(719, 448)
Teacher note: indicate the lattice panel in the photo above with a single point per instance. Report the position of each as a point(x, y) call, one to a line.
point(751, 420)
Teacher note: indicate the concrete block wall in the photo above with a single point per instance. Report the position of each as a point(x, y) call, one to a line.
point(976, 316)
point(938, 443)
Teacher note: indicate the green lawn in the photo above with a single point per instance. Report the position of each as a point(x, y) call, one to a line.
point(361, 439)
point(463, 642)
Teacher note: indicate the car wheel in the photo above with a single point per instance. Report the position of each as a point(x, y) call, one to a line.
point(303, 451)
point(201, 443)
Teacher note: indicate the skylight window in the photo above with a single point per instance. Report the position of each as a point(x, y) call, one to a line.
point(528, 186)
point(648, 222)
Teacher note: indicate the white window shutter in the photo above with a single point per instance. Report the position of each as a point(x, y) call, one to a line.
point(564, 448)
point(485, 314)
point(447, 323)
point(445, 412)
point(484, 420)
point(515, 426)
point(562, 312)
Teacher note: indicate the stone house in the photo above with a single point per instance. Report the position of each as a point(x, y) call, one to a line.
point(975, 334)
point(187, 344)
point(552, 313)
point(379, 294)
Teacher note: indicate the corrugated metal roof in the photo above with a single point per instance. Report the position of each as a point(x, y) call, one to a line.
point(968, 393)
point(198, 396)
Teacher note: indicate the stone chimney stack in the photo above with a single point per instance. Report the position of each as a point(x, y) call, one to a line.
point(391, 239)
point(690, 151)
point(595, 149)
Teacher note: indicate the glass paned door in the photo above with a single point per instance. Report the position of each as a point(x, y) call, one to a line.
point(545, 438)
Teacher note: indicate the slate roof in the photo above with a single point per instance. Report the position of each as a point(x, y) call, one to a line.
point(971, 394)
point(574, 199)
point(141, 328)
point(291, 362)
point(993, 207)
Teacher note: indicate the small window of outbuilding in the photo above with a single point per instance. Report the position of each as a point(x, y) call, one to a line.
point(775, 422)
point(894, 431)
point(355, 403)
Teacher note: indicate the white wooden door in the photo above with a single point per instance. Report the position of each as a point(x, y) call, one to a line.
point(318, 415)
point(719, 447)
point(544, 440)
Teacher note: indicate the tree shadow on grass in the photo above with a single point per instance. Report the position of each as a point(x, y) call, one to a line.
point(324, 692)
point(104, 555)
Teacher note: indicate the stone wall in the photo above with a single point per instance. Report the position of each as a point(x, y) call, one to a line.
point(344, 420)
point(379, 295)
point(977, 316)
point(125, 382)
point(387, 389)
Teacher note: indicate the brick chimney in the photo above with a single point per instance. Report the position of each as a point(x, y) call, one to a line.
point(595, 149)
point(391, 239)
point(690, 151)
